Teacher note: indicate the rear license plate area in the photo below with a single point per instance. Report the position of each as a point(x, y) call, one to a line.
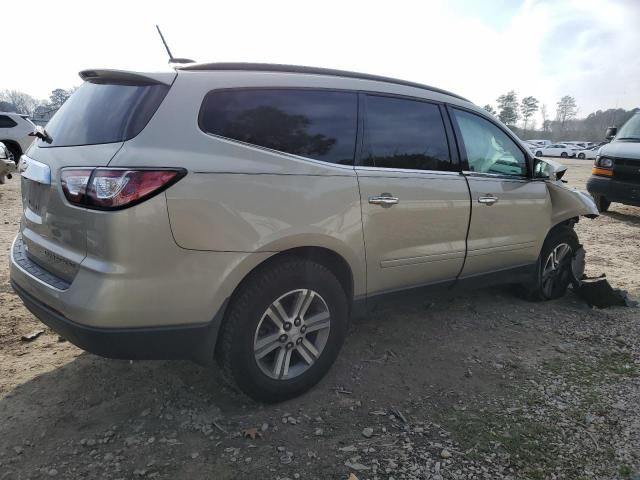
point(36, 196)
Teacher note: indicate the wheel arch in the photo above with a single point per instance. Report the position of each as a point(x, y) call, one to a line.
point(327, 257)
point(11, 145)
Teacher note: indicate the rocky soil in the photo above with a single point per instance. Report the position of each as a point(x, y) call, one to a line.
point(478, 386)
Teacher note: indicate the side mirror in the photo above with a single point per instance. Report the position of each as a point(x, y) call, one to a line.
point(548, 169)
point(540, 169)
point(611, 132)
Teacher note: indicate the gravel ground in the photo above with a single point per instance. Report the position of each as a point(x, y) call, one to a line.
point(482, 385)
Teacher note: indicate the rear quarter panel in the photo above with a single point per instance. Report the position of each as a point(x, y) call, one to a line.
point(239, 198)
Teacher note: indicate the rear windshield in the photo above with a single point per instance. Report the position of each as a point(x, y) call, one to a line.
point(104, 113)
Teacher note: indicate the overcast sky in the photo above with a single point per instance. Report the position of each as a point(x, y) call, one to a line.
point(479, 49)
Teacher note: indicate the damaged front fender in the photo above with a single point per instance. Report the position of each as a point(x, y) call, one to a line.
point(568, 203)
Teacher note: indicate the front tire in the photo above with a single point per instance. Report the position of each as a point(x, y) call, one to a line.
point(283, 330)
point(601, 202)
point(553, 272)
point(581, 156)
point(564, 155)
point(539, 153)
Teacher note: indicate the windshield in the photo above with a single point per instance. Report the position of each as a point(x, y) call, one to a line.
point(104, 113)
point(631, 129)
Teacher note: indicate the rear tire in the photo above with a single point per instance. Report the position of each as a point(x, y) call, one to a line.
point(564, 155)
point(539, 153)
point(601, 202)
point(2, 180)
point(581, 156)
point(262, 317)
point(553, 272)
point(15, 152)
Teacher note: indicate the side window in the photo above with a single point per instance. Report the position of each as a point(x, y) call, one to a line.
point(489, 149)
point(311, 123)
point(402, 133)
point(7, 122)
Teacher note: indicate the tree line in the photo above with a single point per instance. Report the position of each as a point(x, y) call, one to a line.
point(564, 126)
point(20, 102)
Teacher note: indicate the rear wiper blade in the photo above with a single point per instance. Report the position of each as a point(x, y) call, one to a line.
point(628, 138)
point(42, 134)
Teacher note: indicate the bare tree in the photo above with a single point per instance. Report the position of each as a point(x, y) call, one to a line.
point(567, 110)
point(23, 102)
point(545, 118)
point(528, 107)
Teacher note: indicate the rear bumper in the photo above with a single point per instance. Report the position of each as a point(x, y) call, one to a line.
point(188, 342)
point(167, 310)
point(615, 190)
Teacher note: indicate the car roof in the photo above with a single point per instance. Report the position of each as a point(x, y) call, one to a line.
point(273, 67)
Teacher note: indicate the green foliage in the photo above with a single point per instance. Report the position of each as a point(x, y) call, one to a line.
point(490, 109)
point(58, 96)
point(508, 111)
point(529, 106)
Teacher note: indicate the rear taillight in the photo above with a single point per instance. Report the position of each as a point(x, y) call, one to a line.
point(115, 188)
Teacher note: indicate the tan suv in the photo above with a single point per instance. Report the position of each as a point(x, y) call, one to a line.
point(244, 212)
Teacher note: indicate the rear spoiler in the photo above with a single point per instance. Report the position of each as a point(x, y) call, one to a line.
point(127, 78)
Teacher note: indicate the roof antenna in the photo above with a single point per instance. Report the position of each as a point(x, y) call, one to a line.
point(172, 59)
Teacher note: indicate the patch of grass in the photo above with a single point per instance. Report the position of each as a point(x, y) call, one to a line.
point(590, 371)
point(533, 442)
point(527, 441)
point(625, 471)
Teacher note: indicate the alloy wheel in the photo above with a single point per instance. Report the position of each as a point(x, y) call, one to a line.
point(292, 334)
point(556, 267)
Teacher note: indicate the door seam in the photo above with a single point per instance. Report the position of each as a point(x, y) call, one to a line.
point(466, 239)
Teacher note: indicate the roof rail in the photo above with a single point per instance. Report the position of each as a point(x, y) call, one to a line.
point(274, 67)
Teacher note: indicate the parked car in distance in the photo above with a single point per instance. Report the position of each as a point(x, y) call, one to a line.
point(615, 176)
point(7, 165)
point(588, 153)
point(540, 142)
point(556, 150)
point(579, 145)
point(532, 148)
point(226, 212)
point(14, 132)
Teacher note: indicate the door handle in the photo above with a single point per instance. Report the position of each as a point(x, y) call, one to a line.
point(488, 200)
point(385, 200)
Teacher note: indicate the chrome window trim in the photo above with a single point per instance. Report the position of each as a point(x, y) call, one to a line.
point(497, 176)
point(406, 170)
point(277, 152)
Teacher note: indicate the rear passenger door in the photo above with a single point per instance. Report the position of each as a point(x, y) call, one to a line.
point(415, 203)
point(510, 213)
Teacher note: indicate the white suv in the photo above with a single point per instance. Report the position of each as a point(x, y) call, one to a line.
point(14, 132)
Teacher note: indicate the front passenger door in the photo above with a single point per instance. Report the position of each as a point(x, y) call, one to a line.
point(510, 213)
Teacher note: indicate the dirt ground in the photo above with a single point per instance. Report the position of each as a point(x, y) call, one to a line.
point(482, 385)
